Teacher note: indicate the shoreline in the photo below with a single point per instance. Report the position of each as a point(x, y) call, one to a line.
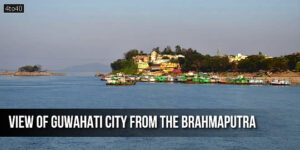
point(225, 78)
point(32, 74)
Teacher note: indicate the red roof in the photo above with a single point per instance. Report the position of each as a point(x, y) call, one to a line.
point(177, 71)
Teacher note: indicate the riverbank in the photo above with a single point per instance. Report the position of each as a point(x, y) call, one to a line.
point(294, 77)
point(32, 74)
point(291, 78)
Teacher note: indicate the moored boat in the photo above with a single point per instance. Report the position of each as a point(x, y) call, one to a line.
point(120, 81)
point(256, 81)
point(152, 79)
point(239, 80)
point(280, 82)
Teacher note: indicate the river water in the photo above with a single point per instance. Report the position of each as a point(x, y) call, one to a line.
point(282, 102)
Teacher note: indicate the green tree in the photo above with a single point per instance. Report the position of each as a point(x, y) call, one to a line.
point(279, 64)
point(291, 61)
point(178, 50)
point(131, 53)
point(156, 49)
point(252, 63)
point(125, 66)
point(297, 68)
point(174, 60)
point(167, 50)
point(28, 68)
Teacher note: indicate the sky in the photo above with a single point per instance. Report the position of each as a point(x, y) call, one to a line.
point(62, 33)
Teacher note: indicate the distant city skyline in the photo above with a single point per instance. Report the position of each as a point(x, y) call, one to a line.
point(58, 34)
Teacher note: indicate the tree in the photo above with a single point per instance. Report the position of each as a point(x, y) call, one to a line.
point(156, 49)
point(189, 52)
point(174, 60)
point(297, 68)
point(117, 65)
point(279, 64)
point(178, 50)
point(167, 50)
point(125, 66)
point(252, 63)
point(37, 68)
point(291, 61)
point(128, 55)
point(141, 52)
point(28, 68)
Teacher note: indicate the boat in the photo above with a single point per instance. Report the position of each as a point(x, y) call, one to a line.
point(170, 79)
point(161, 79)
point(239, 80)
point(183, 79)
point(152, 79)
point(256, 81)
point(280, 82)
point(201, 79)
point(120, 81)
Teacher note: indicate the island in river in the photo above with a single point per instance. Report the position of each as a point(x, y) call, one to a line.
point(32, 73)
point(28, 70)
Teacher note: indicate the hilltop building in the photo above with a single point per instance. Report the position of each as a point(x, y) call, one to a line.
point(237, 58)
point(157, 63)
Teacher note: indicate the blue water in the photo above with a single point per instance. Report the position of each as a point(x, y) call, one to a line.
point(281, 102)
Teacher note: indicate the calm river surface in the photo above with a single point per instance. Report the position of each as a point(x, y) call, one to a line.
point(282, 102)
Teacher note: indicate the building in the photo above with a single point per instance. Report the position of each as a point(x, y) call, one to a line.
point(237, 58)
point(153, 56)
point(173, 56)
point(155, 67)
point(169, 67)
point(142, 66)
point(160, 61)
point(156, 63)
point(141, 58)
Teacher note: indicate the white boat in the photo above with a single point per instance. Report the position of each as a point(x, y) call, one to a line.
point(280, 82)
point(152, 79)
point(170, 79)
point(256, 81)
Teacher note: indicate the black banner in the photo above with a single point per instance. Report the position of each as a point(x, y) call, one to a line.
point(130, 122)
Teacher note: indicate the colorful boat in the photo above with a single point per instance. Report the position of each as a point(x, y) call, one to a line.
point(239, 80)
point(161, 79)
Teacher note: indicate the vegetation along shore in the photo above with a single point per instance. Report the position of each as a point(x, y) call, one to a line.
point(190, 66)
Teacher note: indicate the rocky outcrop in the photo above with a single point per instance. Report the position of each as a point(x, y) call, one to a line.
point(99, 74)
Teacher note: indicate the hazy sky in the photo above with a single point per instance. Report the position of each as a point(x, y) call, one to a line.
point(60, 33)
